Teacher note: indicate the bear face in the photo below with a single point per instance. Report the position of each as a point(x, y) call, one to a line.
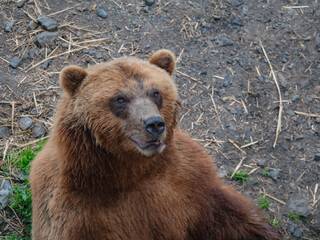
point(135, 102)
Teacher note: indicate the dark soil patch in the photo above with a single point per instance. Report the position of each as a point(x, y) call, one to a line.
point(229, 97)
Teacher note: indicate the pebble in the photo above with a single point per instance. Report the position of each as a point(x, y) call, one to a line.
point(274, 174)
point(5, 192)
point(149, 2)
point(262, 162)
point(102, 13)
point(46, 38)
point(32, 25)
point(317, 120)
point(237, 22)
point(8, 27)
point(47, 23)
point(4, 132)
point(35, 111)
point(14, 62)
point(295, 98)
point(282, 80)
point(21, 4)
point(298, 232)
point(25, 123)
point(317, 157)
point(39, 130)
point(25, 107)
point(291, 113)
point(299, 207)
point(45, 65)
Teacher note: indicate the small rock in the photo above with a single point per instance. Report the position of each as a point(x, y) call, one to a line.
point(32, 25)
point(8, 27)
point(237, 22)
point(102, 13)
point(39, 130)
point(295, 98)
point(298, 232)
point(300, 207)
point(46, 38)
point(25, 123)
point(25, 107)
point(146, 9)
point(4, 132)
point(291, 113)
point(317, 120)
point(35, 111)
point(317, 157)
point(45, 65)
point(226, 42)
point(274, 174)
point(216, 17)
point(149, 2)
point(261, 162)
point(47, 23)
point(21, 4)
point(5, 192)
point(14, 62)
point(283, 81)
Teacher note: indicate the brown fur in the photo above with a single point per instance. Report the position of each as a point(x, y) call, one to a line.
point(91, 182)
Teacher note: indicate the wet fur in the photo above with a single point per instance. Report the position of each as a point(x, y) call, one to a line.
point(87, 184)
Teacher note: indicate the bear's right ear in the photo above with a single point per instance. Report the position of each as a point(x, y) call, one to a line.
point(164, 59)
point(71, 78)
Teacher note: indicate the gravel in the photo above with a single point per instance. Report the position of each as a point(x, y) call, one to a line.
point(149, 2)
point(102, 13)
point(39, 130)
point(15, 62)
point(21, 4)
point(8, 27)
point(47, 23)
point(32, 25)
point(237, 22)
point(25, 123)
point(5, 192)
point(46, 38)
point(317, 157)
point(274, 174)
point(300, 207)
point(4, 132)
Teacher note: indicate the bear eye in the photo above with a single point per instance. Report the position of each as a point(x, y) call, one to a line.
point(121, 101)
point(156, 96)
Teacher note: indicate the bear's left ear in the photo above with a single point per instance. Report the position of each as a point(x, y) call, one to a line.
point(71, 78)
point(164, 59)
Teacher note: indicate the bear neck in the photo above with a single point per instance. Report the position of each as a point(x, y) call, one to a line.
point(87, 167)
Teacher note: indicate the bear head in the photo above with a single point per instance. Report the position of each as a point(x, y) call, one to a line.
point(130, 106)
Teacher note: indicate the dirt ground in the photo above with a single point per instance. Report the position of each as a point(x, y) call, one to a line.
point(231, 103)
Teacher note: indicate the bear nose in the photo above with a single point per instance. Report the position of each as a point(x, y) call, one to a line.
point(154, 126)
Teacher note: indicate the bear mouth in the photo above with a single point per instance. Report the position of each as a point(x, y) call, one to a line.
point(145, 145)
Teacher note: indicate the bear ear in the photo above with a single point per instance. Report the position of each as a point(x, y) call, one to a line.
point(71, 78)
point(164, 59)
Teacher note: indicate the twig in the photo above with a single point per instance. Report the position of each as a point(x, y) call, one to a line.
point(51, 14)
point(307, 114)
point(237, 167)
point(249, 144)
point(234, 144)
point(186, 75)
point(276, 199)
point(280, 98)
point(291, 7)
point(61, 54)
point(12, 117)
point(29, 143)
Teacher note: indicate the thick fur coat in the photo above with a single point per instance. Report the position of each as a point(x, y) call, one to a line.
point(116, 166)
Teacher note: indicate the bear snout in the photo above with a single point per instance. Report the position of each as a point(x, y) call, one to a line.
point(154, 126)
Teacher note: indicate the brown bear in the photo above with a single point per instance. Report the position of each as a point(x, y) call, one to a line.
point(116, 165)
